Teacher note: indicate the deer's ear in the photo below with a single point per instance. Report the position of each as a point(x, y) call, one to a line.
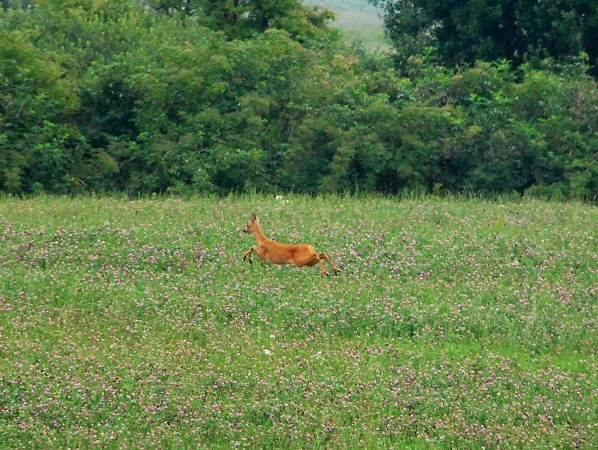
point(253, 217)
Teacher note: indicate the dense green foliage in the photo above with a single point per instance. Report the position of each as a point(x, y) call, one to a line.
point(455, 324)
point(172, 96)
point(467, 31)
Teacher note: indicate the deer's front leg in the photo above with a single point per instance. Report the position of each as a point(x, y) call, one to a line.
point(247, 254)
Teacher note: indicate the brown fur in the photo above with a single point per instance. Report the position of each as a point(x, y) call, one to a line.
point(276, 253)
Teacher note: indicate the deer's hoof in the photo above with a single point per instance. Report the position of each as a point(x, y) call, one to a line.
point(337, 271)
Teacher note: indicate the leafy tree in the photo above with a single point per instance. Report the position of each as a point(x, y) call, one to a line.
point(468, 30)
point(37, 147)
point(243, 19)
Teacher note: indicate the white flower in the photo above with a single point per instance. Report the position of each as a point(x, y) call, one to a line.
point(267, 352)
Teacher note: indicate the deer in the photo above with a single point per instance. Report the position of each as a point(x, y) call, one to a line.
point(276, 253)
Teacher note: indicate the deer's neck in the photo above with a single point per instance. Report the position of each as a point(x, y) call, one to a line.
point(259, 236)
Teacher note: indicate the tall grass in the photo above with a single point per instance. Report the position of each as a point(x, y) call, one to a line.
point(455, 324)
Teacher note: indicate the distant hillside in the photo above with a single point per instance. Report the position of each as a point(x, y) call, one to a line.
point(359, 20)
point(345, 5)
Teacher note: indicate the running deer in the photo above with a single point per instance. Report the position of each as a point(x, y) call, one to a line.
point(277, 253)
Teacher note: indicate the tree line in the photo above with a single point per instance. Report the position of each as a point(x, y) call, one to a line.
point(196, 96)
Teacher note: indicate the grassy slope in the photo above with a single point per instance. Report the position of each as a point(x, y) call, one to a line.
point(362, 28)
point(359, 20)
point(135, 324)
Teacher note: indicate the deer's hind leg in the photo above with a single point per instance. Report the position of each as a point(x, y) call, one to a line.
point(310, 260)
point(322, 256)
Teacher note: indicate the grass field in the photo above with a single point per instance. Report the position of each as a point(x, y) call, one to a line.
point(455, 324)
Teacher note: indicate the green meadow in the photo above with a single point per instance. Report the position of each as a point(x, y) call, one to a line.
point(456, 323)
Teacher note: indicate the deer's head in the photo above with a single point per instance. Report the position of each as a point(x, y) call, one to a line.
point(252, 225)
